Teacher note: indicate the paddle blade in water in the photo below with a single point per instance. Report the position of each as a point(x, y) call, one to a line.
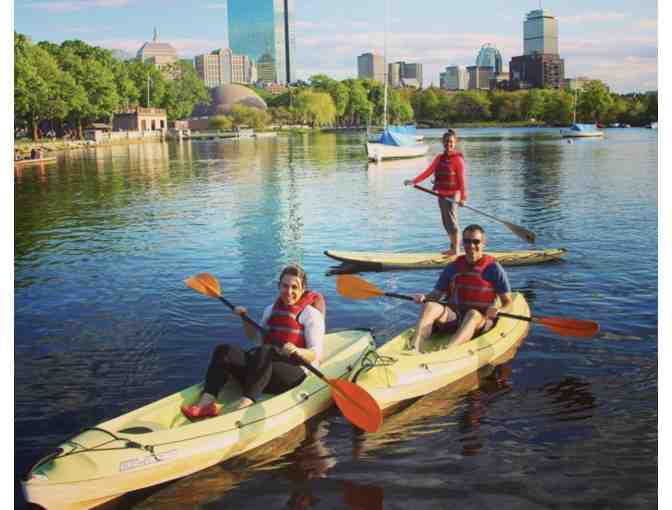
point(206, 284)
point(354, 287)
point(356, 404)
point(570, 327)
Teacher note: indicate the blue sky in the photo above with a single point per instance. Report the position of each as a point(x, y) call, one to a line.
point(615, 41)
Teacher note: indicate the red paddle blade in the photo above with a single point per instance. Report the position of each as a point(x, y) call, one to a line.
point(356, 404)
point(570, 327)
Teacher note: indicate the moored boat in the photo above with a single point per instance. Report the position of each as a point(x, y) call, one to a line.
point(394, 373)
point(581, 131)
point(396, 142)
point(156, 443)
point(356, 261)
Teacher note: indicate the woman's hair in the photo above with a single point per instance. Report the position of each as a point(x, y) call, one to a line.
point(448, 134)
point(295, 270)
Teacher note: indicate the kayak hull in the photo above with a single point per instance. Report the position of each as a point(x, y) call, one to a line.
point(156, 443)
point(400, 374)
point(358, 261)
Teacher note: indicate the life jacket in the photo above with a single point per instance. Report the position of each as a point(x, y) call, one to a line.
point(445, 176)
point(283, 324)
point(468, 287)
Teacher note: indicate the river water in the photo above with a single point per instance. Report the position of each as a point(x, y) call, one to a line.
point(104, 323)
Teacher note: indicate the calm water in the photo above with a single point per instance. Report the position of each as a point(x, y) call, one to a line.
point(104, 322)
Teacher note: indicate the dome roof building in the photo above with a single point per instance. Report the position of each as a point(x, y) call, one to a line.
point(489, 56)
point(225, 97)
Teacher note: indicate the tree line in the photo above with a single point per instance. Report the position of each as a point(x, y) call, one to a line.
point(75, 84)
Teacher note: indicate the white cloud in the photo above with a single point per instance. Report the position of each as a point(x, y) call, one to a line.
point(592, 17)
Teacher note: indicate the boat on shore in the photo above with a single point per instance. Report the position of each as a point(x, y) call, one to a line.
point(157, 443)
point(359, 261)
point(394, 372)
point(36, 161)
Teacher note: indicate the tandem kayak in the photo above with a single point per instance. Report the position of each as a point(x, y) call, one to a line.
point(356, 261)
point(156, 443)
point(393, 373)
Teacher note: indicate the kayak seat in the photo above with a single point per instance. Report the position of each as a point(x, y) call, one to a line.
point(141, 427)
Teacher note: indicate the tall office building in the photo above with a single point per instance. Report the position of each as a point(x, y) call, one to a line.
point(479, 77)
point(371, 66)
point(540, 33)
point(214, 69)
point(540, 66)
point(489, 56)
point(402, 74)
point(454, 78)
point(159, 54)
point(264, 28)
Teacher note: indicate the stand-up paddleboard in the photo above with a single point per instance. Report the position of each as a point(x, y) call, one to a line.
point(360, 261)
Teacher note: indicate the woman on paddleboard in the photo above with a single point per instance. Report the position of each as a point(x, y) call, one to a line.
point(294, 328)
point(450, 182)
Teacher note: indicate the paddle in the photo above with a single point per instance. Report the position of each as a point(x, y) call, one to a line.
point(521, 232)
point(354, 287)
point(356, 404)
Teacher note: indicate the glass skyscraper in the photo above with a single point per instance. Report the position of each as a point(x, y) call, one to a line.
point(540, 33)
point(264, 31)
point(489, 56)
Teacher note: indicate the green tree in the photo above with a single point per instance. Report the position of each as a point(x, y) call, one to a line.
point(558, 108)
point(315, 108)
point(532, 104)
point(359, 109)
point(594, 101)
point(183, 92)
point(220, 122)
point(471, 106)
point(242, 116)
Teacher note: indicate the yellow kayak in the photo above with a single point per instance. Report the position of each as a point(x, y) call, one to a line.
point(355, 261)
point(394, 373)
point(156, 443)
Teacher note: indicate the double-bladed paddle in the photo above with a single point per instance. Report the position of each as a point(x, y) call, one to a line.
point(355, 287)
point(521, 232)
point(356, 404)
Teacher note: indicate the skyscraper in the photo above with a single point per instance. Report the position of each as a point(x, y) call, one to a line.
point(371, 66)
point(454, 78)
point(264, 28)
point(540, 33)
point(489, 56)
point(540, 65)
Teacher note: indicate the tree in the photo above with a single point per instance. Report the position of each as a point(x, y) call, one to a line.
point(249, 116)
point(532, 104)
point(594, 101)
point(471, 106)
point(183, 92)
point(558, 108)
point(220, 122)
point(315, 108)
point(359, 107)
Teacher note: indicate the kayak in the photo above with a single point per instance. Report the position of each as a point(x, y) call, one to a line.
point(356, 261)
point(157, 443)
point(394, 373)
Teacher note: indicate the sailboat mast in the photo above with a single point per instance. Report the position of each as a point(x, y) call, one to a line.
point(385, 71)
point(576, 100)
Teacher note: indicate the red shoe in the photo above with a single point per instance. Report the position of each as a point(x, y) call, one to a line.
point(196, 412)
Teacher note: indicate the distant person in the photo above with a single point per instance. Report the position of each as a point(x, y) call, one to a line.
point(467, 289)
point(449, 182)
point(17, 155)
point(33, 153)
point(294, 326)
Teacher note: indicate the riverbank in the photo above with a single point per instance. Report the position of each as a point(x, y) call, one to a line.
point(60, 145)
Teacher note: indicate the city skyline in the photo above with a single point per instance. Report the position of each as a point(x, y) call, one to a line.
point(611, 41)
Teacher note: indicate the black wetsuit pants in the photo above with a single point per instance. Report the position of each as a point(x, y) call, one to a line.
point(262, 370)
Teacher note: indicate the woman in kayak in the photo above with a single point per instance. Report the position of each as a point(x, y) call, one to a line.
point(294, 328)
point(449, 182)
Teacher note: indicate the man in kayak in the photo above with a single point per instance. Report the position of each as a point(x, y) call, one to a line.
point(294, 328)
point(449, 182)
point(463, 299)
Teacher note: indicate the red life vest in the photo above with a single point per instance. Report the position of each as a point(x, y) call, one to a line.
point(445, 176)
point(469, 288)
point(283, 324)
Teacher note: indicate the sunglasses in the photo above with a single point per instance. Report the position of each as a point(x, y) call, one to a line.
point(468, 241)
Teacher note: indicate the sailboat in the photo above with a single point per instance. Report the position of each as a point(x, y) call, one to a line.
point(580, 130)
point(395, 142)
